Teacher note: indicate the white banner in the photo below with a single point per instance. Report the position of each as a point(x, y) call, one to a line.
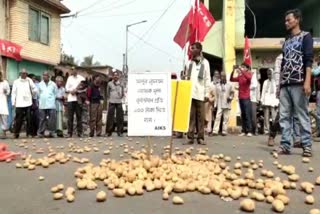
point(149, 104)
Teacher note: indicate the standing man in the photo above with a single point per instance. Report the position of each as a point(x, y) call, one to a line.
point(4, 111)
point(115, 94)
point(224, 94)
point(295, 85)
point(208, 106)
point(255, 98)
point(60, 99)
point(198, 71)
point(95, 103)
point(74, 107)
point(269, 100)
point(244, 79)
point(47, 106)
point(23, 90)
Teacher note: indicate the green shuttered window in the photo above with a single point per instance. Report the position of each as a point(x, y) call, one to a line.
point(39, 26)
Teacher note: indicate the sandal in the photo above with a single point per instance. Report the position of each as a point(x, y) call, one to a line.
point(307, 152)
point(283, 151)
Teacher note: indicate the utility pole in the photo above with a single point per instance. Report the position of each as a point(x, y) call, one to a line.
point(126, 67)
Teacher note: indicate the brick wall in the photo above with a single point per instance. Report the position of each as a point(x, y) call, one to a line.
point(2, 20)
point(19, 32)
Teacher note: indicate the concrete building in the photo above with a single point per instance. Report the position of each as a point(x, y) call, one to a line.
point(34, 25)
point(263, 23)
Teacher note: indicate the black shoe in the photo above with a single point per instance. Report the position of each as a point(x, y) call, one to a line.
point(80, 135)
point(120, 135)
point(16, 136)
point(51, 135)
point(91, 134)
point(189, 142)
point(202, 142)
point(40, 136)
point(109, 134)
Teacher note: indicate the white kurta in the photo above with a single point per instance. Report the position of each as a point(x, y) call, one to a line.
point(4, 85)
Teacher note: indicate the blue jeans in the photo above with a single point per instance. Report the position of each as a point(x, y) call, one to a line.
point(246, 115)
point(318, 113)
point(293, 101)
point(296, 129)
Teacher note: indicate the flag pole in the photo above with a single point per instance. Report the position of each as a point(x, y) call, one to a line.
point(177, 88)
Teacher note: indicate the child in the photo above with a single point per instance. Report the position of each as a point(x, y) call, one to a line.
point(60, 99)
point(82, 92)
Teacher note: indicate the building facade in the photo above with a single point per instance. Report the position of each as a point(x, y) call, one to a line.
point(34, 25)
point(263, 23)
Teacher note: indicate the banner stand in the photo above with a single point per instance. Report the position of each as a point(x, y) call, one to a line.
point(149, 148)
point(173, 119)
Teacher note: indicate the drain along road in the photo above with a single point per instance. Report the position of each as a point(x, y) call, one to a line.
point(23, 193)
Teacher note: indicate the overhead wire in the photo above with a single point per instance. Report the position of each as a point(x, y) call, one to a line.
point(90, 6)
point(254, 20)
point(154, 24)
point(109, 9)
point(126, 14)
point(154, 47)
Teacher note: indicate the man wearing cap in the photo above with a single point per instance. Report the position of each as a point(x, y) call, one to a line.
point(23, 90)
point(74, 107)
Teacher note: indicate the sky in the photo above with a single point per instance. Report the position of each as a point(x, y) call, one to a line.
point(100, 29)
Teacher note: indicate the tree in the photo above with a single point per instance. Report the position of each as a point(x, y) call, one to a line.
point(88, 61)
point(68, 59)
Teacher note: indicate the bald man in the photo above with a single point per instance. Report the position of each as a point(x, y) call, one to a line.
point(47, 106)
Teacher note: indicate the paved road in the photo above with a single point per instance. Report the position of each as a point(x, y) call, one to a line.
point(22, 193)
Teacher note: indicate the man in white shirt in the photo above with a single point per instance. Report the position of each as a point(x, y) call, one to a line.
point(198, 71)
point(23, 90)
point(254, 97)
point(224, 93)
point(269, 100)
point(73, 106)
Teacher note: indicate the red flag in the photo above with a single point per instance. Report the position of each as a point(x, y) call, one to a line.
point(195, 25)
point(185, 29)
point(10, 49)
point(246, 52)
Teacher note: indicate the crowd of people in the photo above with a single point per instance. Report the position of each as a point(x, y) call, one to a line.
point(285, 99)
point(42, 105)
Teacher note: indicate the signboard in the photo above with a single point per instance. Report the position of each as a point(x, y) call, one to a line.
point(149, 104)
point(10, 49)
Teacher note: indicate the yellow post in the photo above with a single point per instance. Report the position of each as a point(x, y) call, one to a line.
point(229, 39)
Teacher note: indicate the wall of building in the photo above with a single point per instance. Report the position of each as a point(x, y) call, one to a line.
point(260, 58)
point(14, 68)
point(240, 21)
point(19, 32)
point(213, 43)
point(311, 17)
point(2, 19)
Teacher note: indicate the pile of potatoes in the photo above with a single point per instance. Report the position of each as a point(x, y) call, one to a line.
point(185, 173)
point(181, 173)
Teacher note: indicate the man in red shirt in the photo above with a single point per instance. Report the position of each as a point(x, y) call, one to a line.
point(244, 80)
